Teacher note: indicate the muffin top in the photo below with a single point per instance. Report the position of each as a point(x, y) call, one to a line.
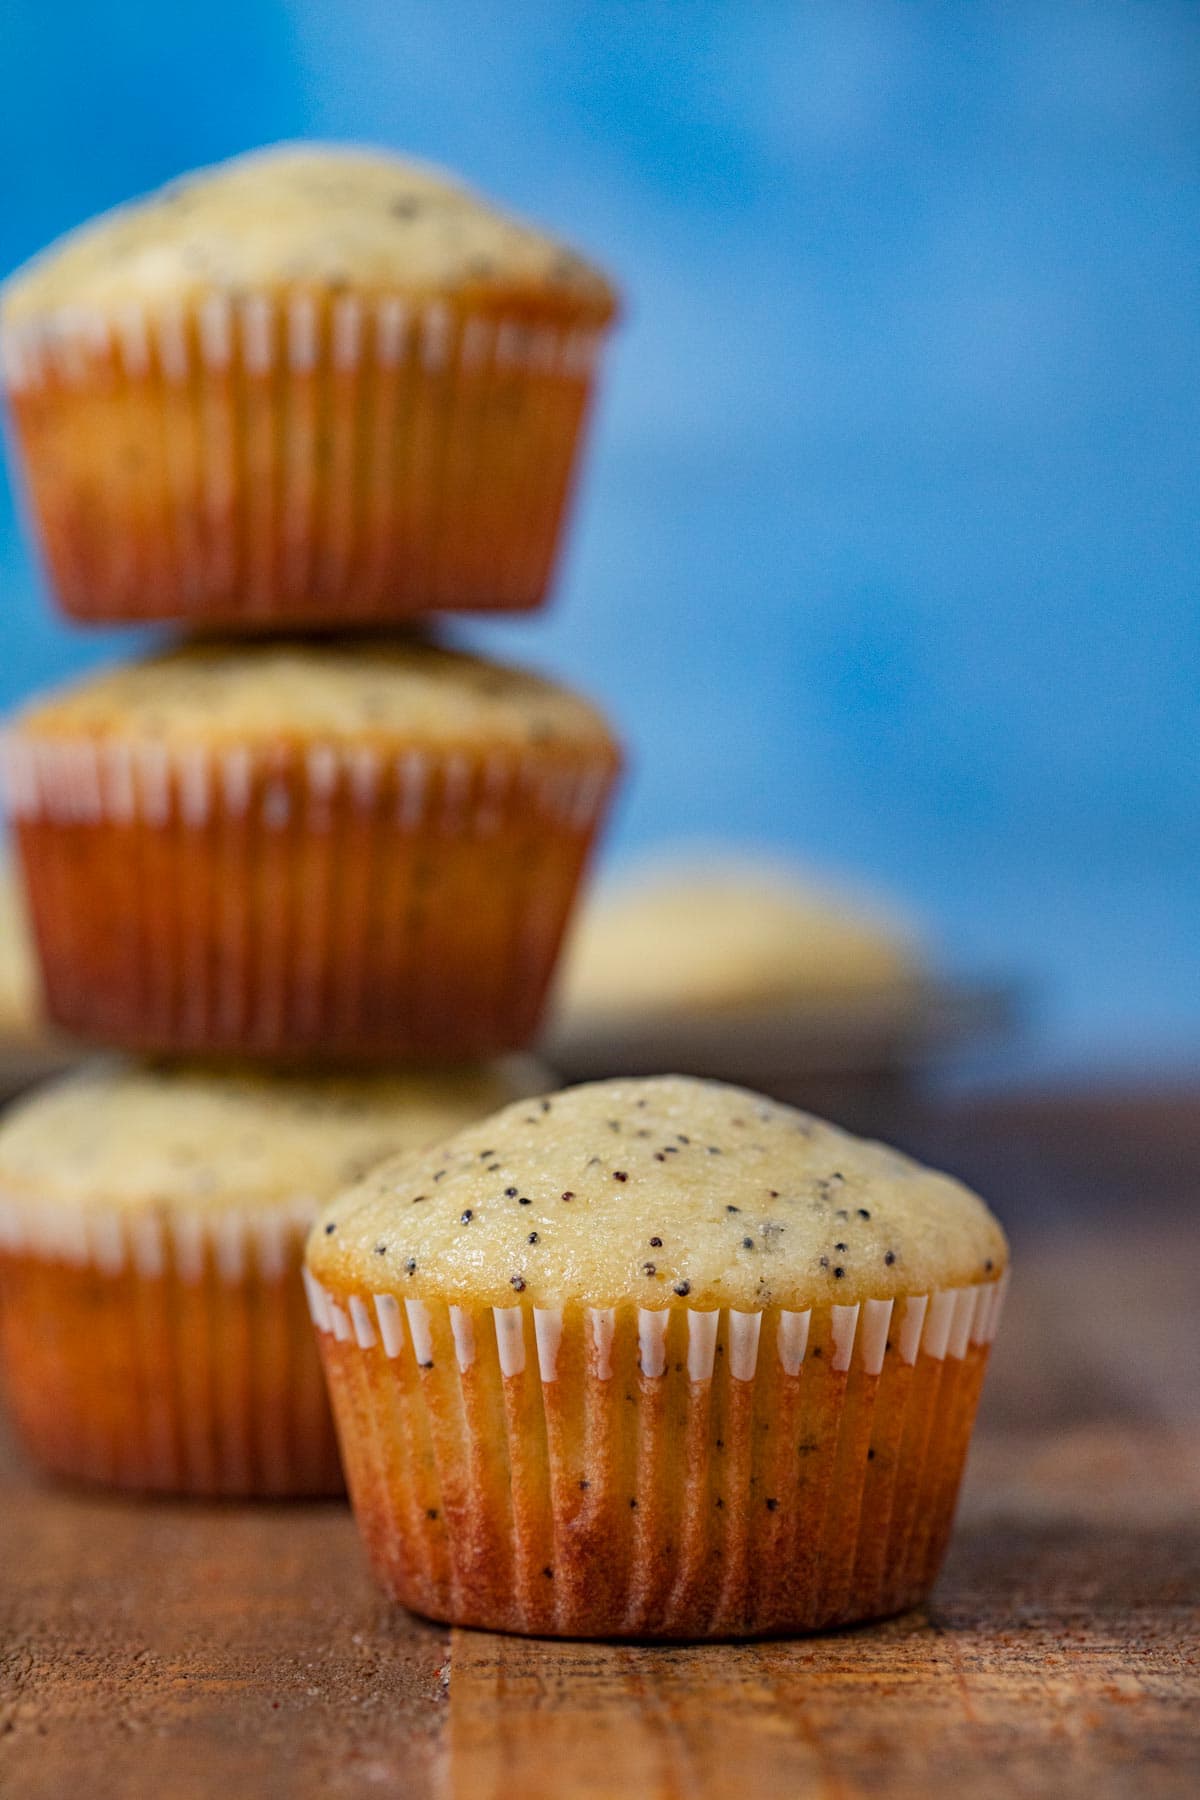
point(134, 1139)
point(307, 218)
point(355, 690)
point(722, 934)
point(655, 1191)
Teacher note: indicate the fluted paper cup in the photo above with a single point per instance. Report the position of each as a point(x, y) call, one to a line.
point(298, 459)
point(166, 1353)
point(298, 902)
point(675, 1473)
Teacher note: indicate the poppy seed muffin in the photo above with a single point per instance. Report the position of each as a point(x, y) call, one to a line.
point(152, 1328)
point(655, 1358)
point(314, 384)
point(342, 848)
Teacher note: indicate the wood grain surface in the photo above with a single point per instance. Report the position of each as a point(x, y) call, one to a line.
point(182, 1651)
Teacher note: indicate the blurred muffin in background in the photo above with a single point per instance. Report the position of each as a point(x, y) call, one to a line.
point(314, 385)
point(742, 968)
point(727, 933)
point(30, 1049)
point(20, 1007)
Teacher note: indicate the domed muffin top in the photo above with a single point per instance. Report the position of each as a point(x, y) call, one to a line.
point(132, 1139)
point(308, 218)
point(356, 690)
point(722, 934)
point(655, 1191)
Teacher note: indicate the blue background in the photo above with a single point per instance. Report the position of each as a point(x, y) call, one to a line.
point(887, 552)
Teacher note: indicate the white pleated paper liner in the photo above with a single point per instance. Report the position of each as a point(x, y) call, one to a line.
point(665, 1473)
point(334, 900)
point(305, 458)
point(164, 1352)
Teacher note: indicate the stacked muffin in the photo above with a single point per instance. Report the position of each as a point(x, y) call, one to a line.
point(311, 392)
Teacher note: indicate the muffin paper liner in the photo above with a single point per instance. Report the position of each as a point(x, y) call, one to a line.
point(168, 1354)
point(672, 1473)
point(290, 902)
point(306, 459)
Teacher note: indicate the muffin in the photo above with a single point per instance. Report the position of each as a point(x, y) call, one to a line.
point(313, 385)
point(726, 934)
point(740, 968)
point(20, 1009)
point(345, 848)
point(655, 1359)
point(152, 1323)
